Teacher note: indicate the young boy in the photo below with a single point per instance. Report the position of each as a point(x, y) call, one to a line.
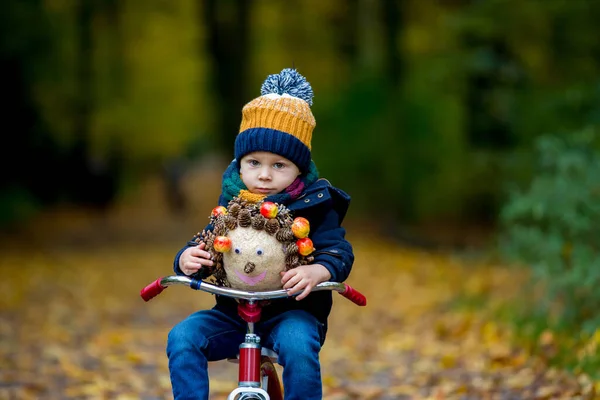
point(272, 161)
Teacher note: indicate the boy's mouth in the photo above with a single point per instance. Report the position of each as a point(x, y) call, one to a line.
point(263, 190)
point(251, 280)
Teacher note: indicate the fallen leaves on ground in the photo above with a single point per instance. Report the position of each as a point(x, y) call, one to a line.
point(73, 326)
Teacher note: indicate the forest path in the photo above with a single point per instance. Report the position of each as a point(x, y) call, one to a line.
point(73, 326)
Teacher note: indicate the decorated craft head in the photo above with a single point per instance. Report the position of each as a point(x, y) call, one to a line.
point(252, 243)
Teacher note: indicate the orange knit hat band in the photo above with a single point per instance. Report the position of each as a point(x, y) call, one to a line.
point(284, 113)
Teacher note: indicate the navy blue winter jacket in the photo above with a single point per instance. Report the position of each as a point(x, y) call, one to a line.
point(325, 207)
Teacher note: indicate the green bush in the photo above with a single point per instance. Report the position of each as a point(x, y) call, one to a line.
point(553, 226)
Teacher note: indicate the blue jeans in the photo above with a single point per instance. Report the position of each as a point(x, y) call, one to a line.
point(212, 335)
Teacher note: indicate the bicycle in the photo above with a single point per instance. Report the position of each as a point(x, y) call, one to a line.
point(257, 377)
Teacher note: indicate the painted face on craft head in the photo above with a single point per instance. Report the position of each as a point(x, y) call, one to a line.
point(267, 173)
point(254, 261)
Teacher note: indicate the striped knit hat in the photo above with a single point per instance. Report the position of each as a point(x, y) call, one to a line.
point(280, 120)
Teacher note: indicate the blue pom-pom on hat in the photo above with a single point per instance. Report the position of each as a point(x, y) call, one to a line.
point(288, 81)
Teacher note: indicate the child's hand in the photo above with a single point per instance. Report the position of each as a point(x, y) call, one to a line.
point(304, 278)
point(193, 258)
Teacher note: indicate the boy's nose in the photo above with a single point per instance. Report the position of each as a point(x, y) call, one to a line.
point(264, 175)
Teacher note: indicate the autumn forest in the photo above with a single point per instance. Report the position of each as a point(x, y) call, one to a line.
point(467, 133)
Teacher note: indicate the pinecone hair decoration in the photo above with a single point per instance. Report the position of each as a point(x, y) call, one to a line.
point(230, 222)
point(272, 226)
point(284, 235)
point(258, 222)
point(244, 218)
point(234, 209)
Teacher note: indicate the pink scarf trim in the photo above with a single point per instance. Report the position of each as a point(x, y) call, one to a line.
point(295, 189)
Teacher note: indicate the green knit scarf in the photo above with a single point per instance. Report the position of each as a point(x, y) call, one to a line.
point(232, 184)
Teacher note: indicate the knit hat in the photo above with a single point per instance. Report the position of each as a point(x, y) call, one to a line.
point(280, 120)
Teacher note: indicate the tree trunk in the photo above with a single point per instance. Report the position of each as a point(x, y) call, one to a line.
point(347, 28)
point(228, 28)
point(94, 179)
point(392, 23)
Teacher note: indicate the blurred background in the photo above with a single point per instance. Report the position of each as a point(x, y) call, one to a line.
point(466, 132)
point(432, 105)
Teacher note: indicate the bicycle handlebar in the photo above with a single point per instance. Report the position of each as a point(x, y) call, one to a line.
point(156, 287)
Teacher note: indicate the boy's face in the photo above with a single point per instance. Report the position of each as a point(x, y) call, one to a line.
point(267, 173)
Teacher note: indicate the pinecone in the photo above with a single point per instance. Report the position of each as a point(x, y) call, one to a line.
point(292, 261)
point(258, 222)
point(304, 261)
point(285, 216)
point(231, 222)
point(244, 218)
point(220, 277)
point(272, 226)
point(291, 248)
point(285, 235)
point(234, 209)
point(209, 240)
point(220, 228)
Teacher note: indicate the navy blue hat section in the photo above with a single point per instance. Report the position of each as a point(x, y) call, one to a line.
point(274, 141)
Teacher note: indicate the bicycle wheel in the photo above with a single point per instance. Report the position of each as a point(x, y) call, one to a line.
point(273, 385)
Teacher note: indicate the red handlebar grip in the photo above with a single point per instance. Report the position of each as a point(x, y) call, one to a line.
point(354, 295)
point(152, 290)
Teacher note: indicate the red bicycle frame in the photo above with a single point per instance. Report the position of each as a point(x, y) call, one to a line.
point(253, 365)
point(257, 376)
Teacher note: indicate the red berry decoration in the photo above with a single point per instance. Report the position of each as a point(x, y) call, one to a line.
point(222, 244)
point(300, 227)
point(219, 210)
point(269, 210)
point(305, 246)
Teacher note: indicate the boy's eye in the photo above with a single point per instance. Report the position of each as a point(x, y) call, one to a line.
point(253, 163)
point(278, 165)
